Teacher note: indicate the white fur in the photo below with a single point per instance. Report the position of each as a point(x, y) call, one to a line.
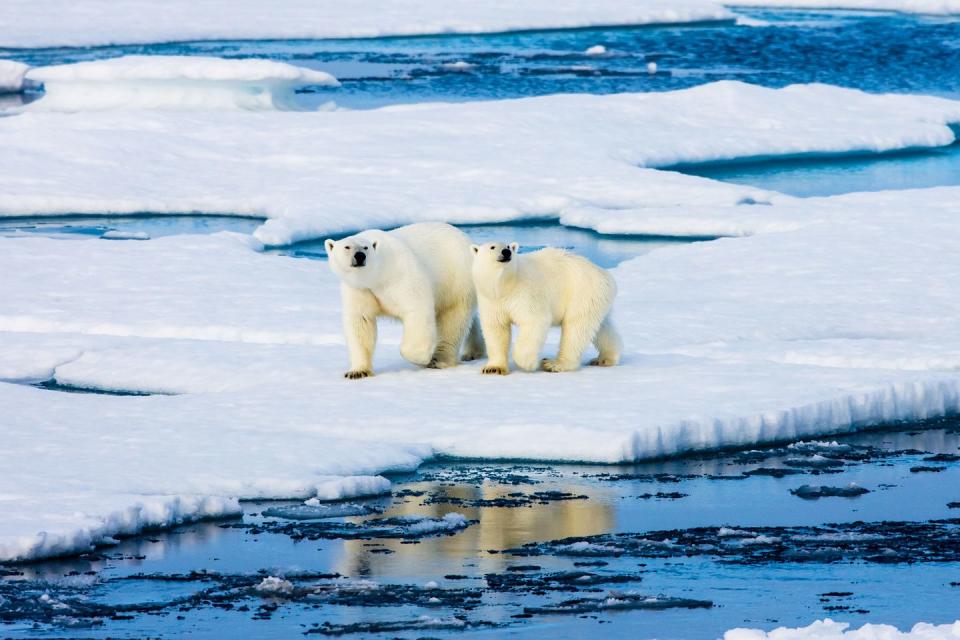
point(538, 290)
point(418, 274)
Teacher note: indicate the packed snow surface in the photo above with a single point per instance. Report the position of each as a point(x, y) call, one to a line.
point(49, 23)
point(829, 630)
point(935, 7)
point(563, 156)
point(11, 76)
point(173, 82)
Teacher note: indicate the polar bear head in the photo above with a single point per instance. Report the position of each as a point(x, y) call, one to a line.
point(495, 259)
point(355, 260)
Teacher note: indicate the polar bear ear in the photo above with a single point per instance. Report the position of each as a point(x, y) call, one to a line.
point(374, 245)
point(475, 247)
point(328, 243)
point(514, 247)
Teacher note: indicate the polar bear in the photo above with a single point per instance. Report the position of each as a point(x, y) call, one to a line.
point(418, 274)
point(538, 290)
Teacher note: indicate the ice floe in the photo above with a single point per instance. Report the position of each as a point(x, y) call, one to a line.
point(829, 630)
point(173, 82)
point(562, 156)
point(31, 23)
point(935, 7)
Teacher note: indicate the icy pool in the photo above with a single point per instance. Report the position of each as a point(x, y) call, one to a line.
point(567, 551)
point(607, 251)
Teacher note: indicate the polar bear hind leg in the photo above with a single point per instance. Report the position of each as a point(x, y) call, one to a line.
point(453, 323)
point(608, 344)
point(474, 348)
point(575, 334)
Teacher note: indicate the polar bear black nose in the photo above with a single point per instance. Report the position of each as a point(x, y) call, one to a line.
point(506, 253)
point(359, 259)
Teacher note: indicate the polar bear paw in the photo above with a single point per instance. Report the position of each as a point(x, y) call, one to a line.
point(603, 362)
point(556, 366)
point(496, 369)
point(357, 374)
point(440, 363)
point(470, 355)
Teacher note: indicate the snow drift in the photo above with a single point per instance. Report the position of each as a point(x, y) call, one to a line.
point(173, 82)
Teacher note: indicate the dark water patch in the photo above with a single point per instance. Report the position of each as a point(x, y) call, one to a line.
point(423, 623)
point(559, 581)
point(53, 385)
point(619, 602)
point(811, 492)
point(510, 500)
point(926, 469)
point(875, 542)
point(409, 527)
point(321, 511)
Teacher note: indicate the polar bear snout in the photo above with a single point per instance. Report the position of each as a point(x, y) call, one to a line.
point(505, 255)
point(359, 259)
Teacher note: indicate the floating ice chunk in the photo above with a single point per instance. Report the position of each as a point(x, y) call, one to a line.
point(596, 50)
point(115, 234)
point(651, 68)
point(174, 82)
point(423, 526)
point(272, 585)
point(316, 510)
point(459, 65)
point(827, 629)
point(341, 488)
point(11, 76)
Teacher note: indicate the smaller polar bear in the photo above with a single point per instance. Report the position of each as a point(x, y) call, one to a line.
point(418, 274)
point(537, 291)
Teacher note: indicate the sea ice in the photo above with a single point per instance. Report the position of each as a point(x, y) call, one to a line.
point(173, 82)
point(565, 156)
point(829, 630)
point(53, 23)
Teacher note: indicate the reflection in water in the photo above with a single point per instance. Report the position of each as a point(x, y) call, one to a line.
point(499, 528)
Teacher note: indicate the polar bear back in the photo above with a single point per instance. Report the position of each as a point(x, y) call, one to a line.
point(564, 283)
point(443, 252)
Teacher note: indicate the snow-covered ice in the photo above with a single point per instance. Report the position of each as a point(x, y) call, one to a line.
point(173, 82)
point(935, 7)
point(827, 629)
point(30, 23)
point(11, 76)
point(315, 174)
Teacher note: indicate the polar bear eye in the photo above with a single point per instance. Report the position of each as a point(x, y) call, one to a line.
point(347, 248)
point(492, 248)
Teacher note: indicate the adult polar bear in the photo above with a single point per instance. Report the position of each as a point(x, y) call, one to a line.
point(419, 274)
point(536, 291)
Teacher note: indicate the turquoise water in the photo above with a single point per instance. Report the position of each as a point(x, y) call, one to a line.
point(826, 177)
point(607, 251)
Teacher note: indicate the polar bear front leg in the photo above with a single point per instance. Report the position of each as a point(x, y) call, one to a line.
point(575, 335)
point(361, 334)
point(419, 335)
point(496, 336)
point(530, 338)
point(360, 311)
